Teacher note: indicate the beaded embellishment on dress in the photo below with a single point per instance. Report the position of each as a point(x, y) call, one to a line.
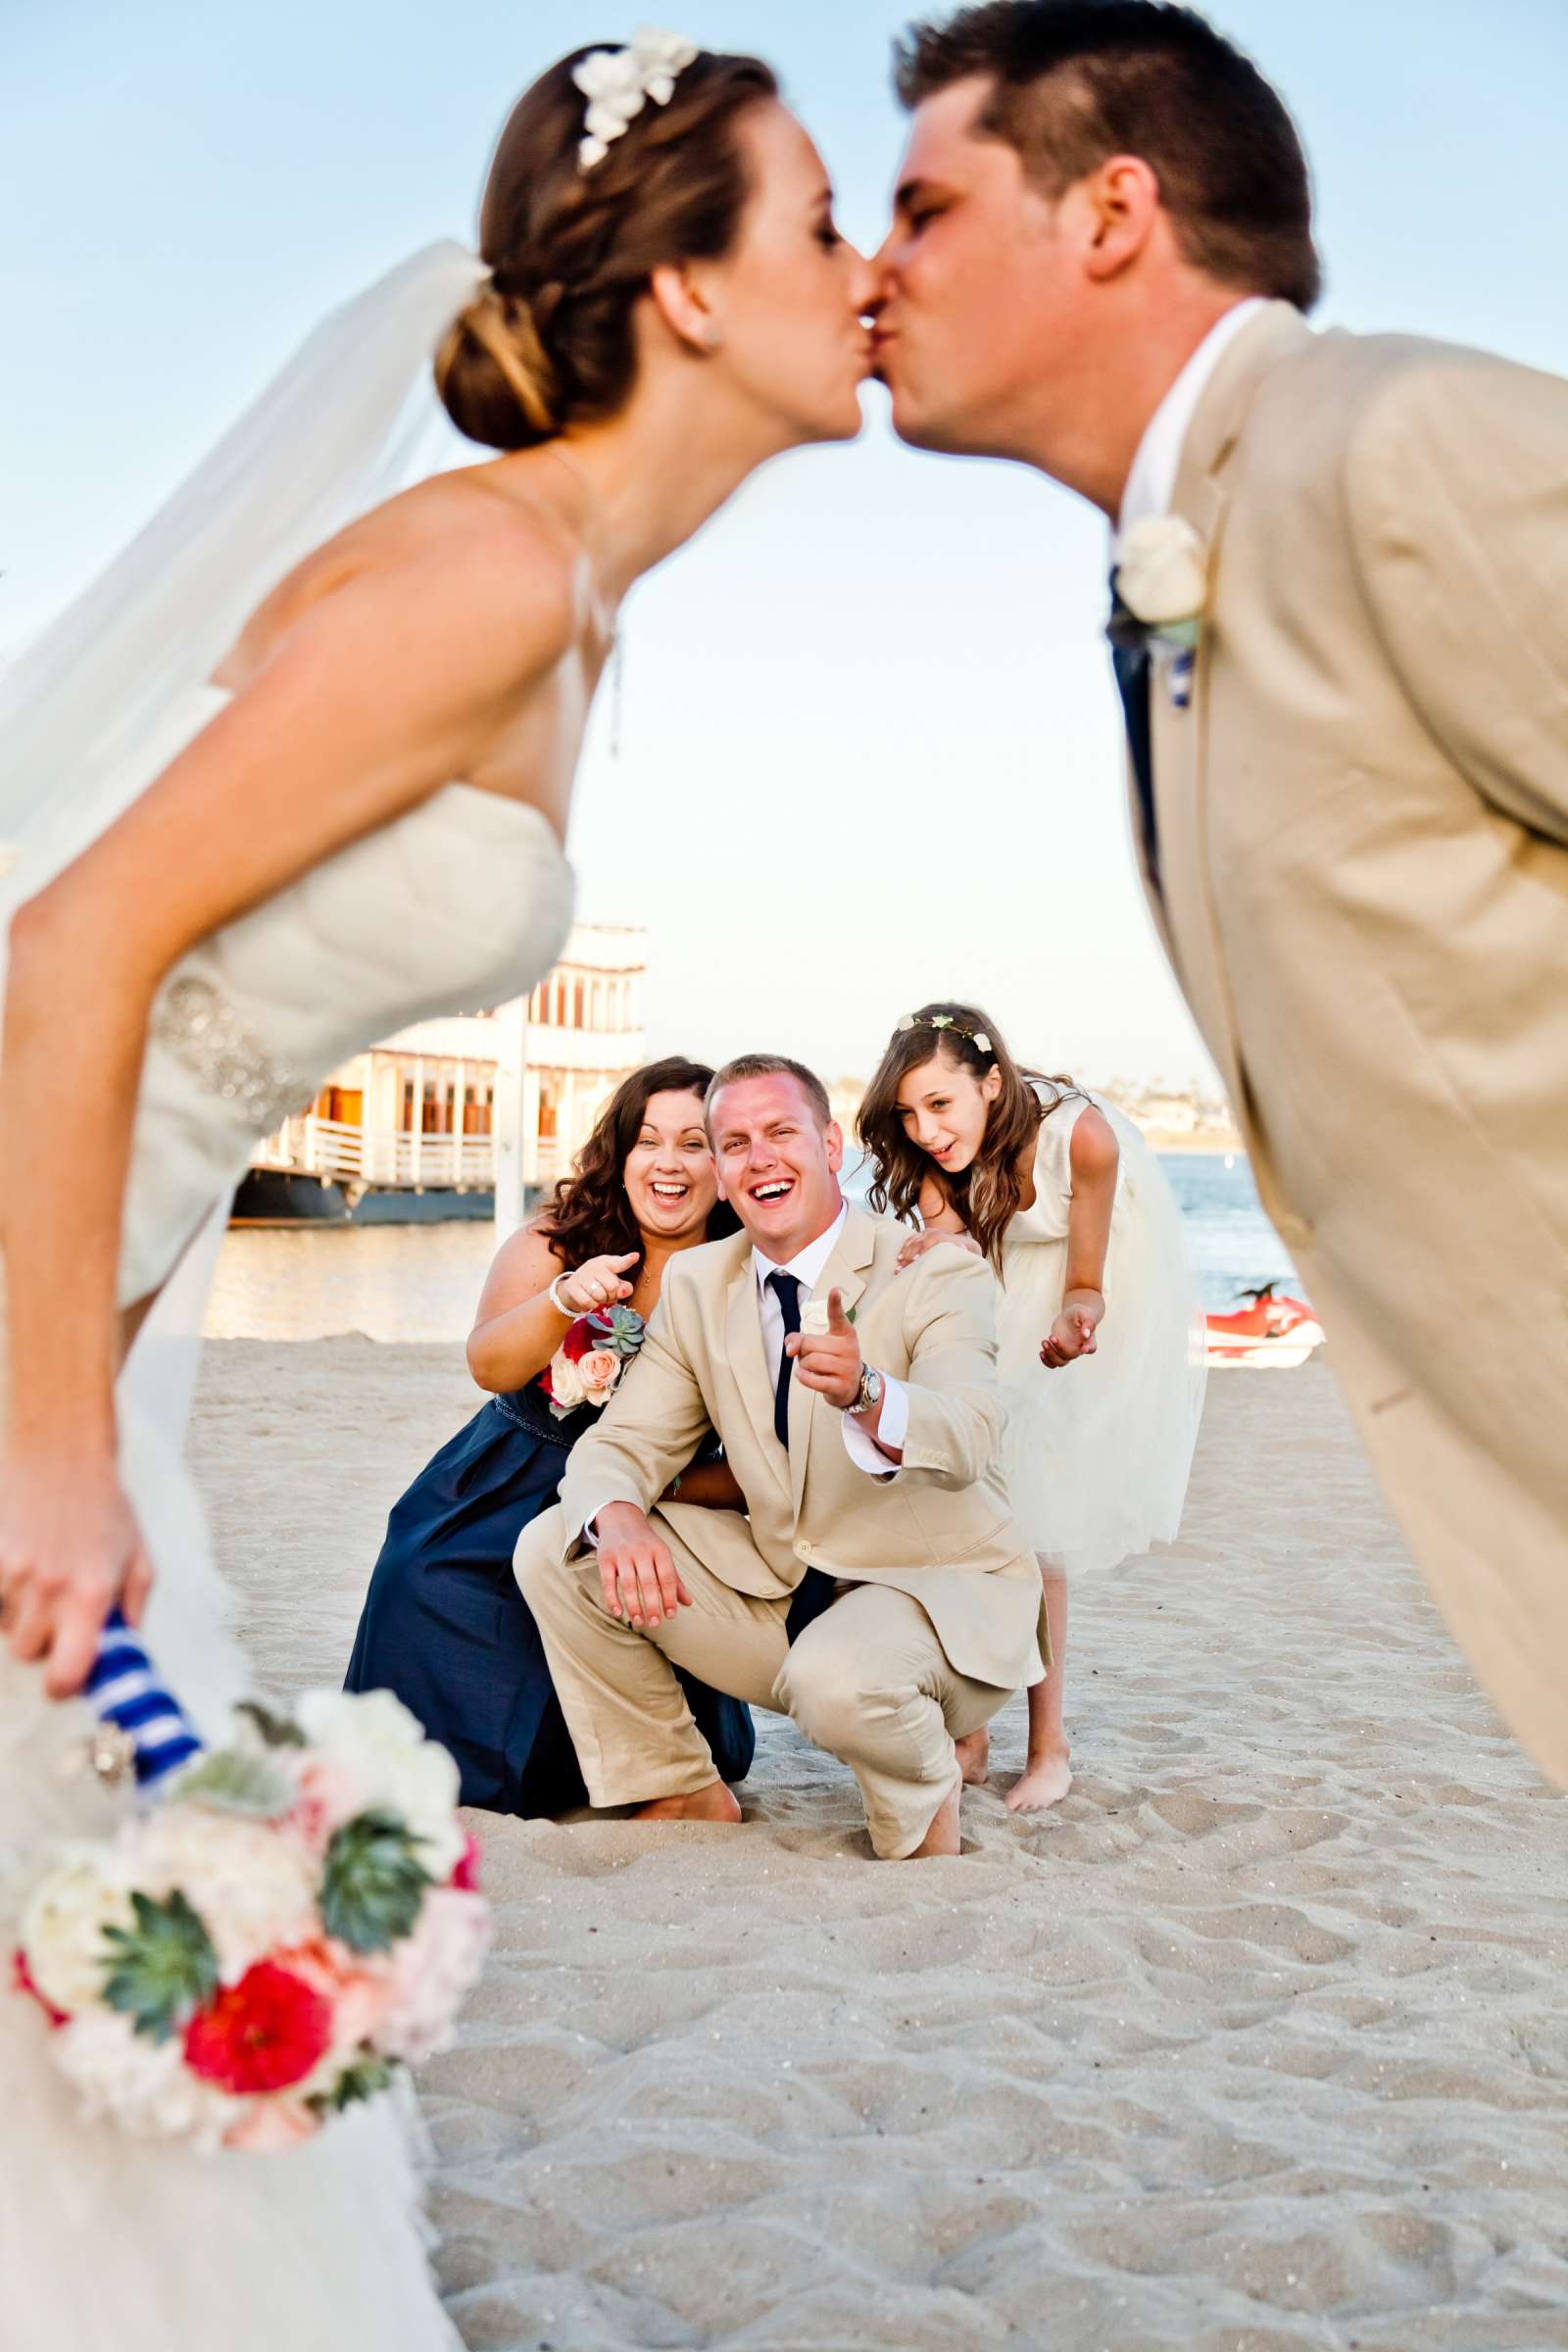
point(197, 1022)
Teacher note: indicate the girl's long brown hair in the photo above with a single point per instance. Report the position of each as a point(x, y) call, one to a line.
point(590, 1215)
point(986, 1193)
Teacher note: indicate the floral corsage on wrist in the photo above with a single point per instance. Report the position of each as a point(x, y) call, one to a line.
point(588, 1365)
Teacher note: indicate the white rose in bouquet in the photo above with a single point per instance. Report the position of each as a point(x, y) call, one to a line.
point(567, 1388)
point(143, 2085)
point(63, 1927)
point(383, 1754)
point(254, 1887)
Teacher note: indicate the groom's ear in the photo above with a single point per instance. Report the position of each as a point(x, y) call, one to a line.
point(1115, 215)
point(833, 1137)
point(683, 305)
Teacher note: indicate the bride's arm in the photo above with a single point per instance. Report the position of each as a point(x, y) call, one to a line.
point(393, 684)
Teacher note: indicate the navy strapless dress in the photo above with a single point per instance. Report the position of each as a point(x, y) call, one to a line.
point(444, 1626)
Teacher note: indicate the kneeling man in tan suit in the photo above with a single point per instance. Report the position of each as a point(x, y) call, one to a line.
point(858, 1412)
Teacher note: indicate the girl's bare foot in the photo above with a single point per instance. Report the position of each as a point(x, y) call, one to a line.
point(1045, 1781)
point(715, 1802)
point(974, 1755)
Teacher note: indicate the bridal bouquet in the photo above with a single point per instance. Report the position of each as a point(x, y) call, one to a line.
point(294, 1921)
point(587, 1367)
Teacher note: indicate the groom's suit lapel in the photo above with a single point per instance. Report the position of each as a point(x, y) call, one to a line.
point(1182, 901)
point(846, 1272)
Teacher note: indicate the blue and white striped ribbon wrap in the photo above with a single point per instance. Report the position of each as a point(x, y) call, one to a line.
point(124, 1689)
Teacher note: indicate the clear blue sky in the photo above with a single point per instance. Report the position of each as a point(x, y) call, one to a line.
point(869, 747)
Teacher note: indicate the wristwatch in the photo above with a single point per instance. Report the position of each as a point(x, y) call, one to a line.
point(869, 1394)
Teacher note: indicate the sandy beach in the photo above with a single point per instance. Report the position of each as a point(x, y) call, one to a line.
point(1259, 2044)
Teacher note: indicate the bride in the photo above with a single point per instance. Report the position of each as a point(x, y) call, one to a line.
point(297, 773)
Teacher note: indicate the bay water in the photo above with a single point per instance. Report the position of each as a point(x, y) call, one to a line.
point(423, 1282)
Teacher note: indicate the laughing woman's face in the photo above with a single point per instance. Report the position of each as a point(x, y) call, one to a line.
point(669, 1176)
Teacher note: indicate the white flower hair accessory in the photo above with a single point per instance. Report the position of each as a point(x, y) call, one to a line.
point(945, 1020)
point(618, 84)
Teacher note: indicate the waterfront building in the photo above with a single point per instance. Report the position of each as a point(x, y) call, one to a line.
point(448, 1111)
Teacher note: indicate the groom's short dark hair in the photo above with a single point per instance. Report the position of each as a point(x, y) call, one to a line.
point(1081, 81)
point(772, 1065)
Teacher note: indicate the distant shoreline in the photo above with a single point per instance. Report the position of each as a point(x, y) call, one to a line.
point(1211, 1147)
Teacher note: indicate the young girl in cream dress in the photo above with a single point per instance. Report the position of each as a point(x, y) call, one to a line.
point(1101, 1346)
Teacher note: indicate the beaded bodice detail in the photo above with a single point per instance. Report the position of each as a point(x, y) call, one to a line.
point(225, 1054)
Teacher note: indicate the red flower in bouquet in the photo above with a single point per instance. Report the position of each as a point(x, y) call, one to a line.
point(578, 1340)
point(270, 2030)
point(467, 1874)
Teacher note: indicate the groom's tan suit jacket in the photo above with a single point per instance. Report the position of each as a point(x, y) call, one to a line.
point(1363, 884)
point(940, 1529)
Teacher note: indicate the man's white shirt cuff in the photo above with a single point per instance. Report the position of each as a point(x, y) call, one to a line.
point(892, 1427)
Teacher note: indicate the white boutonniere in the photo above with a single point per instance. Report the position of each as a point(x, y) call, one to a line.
point(1162, 587)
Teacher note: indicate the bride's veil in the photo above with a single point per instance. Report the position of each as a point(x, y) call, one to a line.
point(350, 420)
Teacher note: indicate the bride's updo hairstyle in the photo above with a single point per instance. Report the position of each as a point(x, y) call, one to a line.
point(548, 340)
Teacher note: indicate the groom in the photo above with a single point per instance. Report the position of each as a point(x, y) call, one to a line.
point(858, 1409)
point(1340, 635)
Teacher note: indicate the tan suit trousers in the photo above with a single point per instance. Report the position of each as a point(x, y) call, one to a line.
point(869, 1680)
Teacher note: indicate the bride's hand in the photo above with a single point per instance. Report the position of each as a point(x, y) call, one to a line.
point(597, 1282)
point(920, 1243)
point(69, 1550)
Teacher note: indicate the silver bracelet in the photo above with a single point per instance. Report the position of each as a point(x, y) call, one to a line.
point(554, 1295)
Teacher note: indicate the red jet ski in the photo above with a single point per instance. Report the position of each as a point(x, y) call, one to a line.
point(1273, 1332)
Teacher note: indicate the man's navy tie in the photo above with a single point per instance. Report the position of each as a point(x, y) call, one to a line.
point(1131, 660)
point(814, 1592)
point(786, 1288)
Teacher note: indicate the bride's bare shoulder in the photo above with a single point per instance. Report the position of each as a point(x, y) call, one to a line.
point(455, 542)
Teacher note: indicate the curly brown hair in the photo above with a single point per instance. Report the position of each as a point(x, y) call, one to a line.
point(985, 1194)
point(549, 340)
point(590, 1215)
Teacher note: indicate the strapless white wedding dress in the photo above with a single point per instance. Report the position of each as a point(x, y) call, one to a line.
point(106, 2244)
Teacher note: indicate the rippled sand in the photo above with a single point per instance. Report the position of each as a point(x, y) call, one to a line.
point(1259, 2043)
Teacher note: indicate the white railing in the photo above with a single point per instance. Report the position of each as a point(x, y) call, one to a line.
point(308, 1146)
point(549, 1160)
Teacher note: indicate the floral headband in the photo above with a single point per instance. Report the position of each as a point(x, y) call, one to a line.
point(617, 84)
point(945, 1020)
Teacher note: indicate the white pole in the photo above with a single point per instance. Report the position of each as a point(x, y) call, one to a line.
point(511, 1123)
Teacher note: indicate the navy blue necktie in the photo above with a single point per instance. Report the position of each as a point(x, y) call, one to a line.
point(815, 1592)
point(1131, 663)
point(786, 1288)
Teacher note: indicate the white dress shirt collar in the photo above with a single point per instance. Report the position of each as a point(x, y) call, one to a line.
point(1152, 484)
point(807, 1264)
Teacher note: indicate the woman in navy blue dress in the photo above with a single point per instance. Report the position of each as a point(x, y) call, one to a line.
point(444, 1625)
